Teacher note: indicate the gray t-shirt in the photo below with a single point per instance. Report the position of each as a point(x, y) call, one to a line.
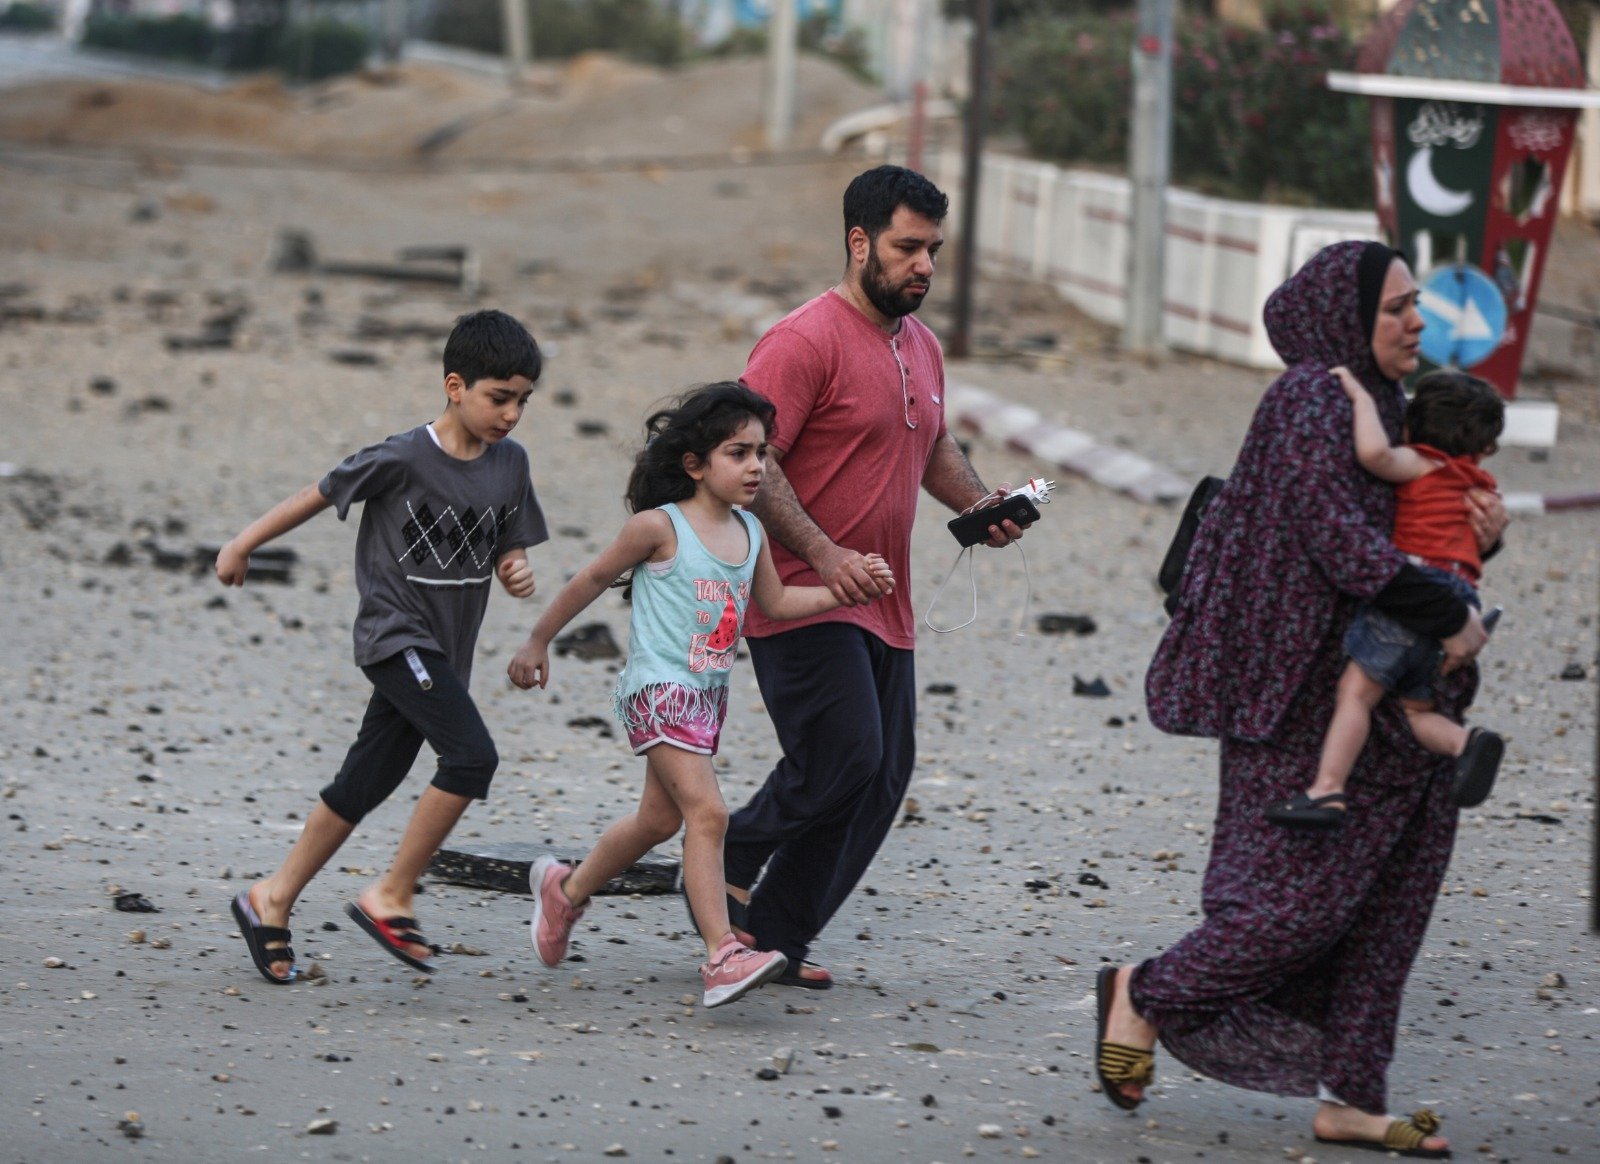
point(432, 530)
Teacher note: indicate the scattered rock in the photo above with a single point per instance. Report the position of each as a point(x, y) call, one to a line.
point(322, 1127)
point(1092, 689)
point(131, 1125)
point(1066, 624)
point(356, 358)
point(589, 642)
point(585, 722)
point(1574, 671)
point(130, 902)
point(371, 327)
point(296, 254)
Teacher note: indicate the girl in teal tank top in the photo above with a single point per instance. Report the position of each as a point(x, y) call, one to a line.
point(695, 560)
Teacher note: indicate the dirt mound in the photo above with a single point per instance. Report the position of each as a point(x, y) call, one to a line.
point(710, 107)
point(374, 114)
point(600, 106)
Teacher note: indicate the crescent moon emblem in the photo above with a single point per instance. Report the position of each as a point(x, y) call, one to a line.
point(1437, 200)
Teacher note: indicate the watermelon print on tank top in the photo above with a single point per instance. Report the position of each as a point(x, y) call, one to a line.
point(683, 634)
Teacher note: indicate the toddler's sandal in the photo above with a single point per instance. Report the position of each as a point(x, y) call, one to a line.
point(1309, 814)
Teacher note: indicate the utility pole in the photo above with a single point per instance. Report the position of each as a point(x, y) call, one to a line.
point(514, 32)
point(917, 134)
point(783, 36)
point(959, 345)
point(393, 29)
point(1149, 167)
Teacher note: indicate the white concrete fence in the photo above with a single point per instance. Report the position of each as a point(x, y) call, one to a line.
point(1069, 228)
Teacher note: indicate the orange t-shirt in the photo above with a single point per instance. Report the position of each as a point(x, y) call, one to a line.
point(1430, 518)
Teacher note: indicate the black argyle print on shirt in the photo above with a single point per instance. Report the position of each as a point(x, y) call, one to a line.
point(451, 539)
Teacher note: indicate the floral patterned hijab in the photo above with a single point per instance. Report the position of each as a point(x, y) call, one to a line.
point(1323, 314)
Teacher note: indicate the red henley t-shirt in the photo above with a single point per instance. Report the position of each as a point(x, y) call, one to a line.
point(859, 412)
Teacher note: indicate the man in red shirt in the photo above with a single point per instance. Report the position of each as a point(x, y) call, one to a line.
point(859, 387)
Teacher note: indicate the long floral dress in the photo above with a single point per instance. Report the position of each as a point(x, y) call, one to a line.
point(1294, 977)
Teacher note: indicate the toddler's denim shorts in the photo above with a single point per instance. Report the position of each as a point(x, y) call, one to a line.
point(1401, 661)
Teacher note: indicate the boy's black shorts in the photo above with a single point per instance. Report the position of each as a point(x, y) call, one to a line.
point(416, 696)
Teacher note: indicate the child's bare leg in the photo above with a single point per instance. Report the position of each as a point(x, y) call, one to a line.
point(692, 783)
point(273, 898)
point(1440, 735)
point(392, 894)
point(654, 822)
point(1347, 731)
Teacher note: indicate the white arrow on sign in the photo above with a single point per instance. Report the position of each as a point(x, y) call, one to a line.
point(1465, 320)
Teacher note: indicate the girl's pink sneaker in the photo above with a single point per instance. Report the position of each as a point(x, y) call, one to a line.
point(553, 915)
point(736, 970)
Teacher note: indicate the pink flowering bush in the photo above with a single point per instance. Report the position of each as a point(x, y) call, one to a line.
point(1252, 117)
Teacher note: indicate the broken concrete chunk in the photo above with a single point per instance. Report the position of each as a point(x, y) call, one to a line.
point(1066, 624)
point(591, 641)
point(504, 867)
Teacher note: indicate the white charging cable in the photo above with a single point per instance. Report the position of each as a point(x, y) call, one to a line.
point(1038, 491)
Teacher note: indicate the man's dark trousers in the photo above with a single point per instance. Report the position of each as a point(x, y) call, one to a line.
point(844, 706)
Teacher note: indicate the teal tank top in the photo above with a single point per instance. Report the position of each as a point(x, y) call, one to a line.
point(686, 619)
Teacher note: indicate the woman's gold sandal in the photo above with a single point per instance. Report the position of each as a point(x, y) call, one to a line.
point(1402, 1137)
point(1117, 1063)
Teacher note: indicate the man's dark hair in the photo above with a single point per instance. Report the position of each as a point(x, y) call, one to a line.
point(872, 198)
point(1455, 413)
point(490, 345)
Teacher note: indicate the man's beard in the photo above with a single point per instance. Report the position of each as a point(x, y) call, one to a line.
point(894, 302)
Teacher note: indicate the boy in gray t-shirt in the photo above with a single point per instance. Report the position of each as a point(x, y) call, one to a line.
point(449, 506)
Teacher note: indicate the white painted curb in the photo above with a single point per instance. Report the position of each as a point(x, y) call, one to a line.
point(1069, 450)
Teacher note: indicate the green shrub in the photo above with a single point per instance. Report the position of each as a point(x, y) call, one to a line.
point(1252, 116)
point(27, 18)
point(321, 48)
point(846, 48)
point(644, 30)
point(183, 37)
point(469, 24)
point(1008, 12)
point(251, 43)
